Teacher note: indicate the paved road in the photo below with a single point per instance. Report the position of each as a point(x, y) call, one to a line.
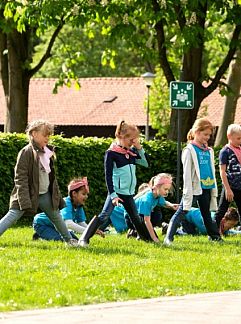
point(218, 308)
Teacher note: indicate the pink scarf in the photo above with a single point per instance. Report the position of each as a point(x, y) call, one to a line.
point(119, 149)
point(44, 158)
point(202, 147)
point(236, 150)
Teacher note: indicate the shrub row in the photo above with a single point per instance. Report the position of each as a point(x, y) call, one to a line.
point(80, 156)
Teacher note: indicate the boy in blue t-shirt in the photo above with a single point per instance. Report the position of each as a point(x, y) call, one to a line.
point(230, 172)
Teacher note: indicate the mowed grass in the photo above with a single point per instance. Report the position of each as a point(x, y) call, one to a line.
point(40, 274)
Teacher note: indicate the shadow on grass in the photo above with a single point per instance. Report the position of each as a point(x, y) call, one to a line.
point(115, 250)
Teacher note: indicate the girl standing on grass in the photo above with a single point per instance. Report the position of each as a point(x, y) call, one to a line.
point(153, 195)
point(199, 182)
point(120, 174)
point(35, 184)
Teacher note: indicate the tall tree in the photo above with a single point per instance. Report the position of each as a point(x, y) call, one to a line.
point(21, 24)
point(177, 31)
point(234, 85)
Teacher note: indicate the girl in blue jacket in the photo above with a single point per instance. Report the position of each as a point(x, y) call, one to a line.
point(120, 175)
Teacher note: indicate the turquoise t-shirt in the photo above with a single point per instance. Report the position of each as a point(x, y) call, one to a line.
point(75, 214)
point(206, 173)
point(147, 202)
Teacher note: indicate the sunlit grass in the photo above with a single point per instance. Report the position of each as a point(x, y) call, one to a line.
point(40, 274)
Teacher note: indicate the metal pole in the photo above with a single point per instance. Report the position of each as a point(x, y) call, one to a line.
point(178, 154)
point(147, 114)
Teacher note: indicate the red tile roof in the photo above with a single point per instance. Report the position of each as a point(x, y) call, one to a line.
point(88, 106)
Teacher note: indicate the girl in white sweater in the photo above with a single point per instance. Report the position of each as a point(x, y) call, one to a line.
point(199, 182)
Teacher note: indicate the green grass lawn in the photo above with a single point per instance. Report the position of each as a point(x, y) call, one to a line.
point(40, 274)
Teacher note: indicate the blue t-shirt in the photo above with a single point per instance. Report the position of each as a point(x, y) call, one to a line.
point(147, 202)
point(233, 168)
point(194, 217)
point(206, 173)
point(69, 212)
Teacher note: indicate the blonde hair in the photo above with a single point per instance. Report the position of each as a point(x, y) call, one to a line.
point(126, 130)
point(39, 125)
point(200, 125)
point(233, 129)
point(155, 182)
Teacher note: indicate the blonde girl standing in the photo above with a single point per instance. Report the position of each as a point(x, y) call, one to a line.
point(120, 175)
point(199, 182)
point(35, 184)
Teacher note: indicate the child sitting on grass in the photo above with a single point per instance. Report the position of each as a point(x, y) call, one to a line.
point(73, 214)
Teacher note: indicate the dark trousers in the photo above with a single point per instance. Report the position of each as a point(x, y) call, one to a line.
point(203, 201)
point(130, 207)
point(224, 204)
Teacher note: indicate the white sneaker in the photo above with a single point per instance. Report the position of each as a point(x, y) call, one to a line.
point(72, 243)
point(167, 242)
point(83, 243)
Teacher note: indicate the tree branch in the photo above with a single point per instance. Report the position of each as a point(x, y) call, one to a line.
point(224, 66)
point(161, 45)
point(47, 53)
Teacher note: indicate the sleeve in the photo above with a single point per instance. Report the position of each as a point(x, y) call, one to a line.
point(223, 157)
point(66, 212)
point(21, 180)
point(142, 160)
point(162, 202)
point(187, 179)
point(74, 227)
point(109, 174)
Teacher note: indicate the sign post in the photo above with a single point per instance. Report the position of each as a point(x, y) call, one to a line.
point(181, 97)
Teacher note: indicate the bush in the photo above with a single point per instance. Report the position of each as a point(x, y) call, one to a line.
point(80, 156)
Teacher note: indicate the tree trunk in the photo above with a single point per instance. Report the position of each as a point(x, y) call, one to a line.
point(234, 83)
point(18, 82)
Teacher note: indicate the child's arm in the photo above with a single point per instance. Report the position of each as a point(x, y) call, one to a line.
point(21, 180)
point(142, 160)
point(223, 175)
point(171, 205)
point(151, 229)
point(74, 226)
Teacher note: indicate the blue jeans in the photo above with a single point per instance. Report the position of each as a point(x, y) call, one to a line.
point(45, 204)
point(49, 233)
point(203, 201)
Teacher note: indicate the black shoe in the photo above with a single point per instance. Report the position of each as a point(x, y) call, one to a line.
point(35, 236)
point(216, 239)
point(164, 228)
point(131, 233)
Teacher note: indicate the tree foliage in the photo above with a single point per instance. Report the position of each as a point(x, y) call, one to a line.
point(177, 33)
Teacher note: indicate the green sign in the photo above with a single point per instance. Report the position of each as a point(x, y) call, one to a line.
point(181, 95)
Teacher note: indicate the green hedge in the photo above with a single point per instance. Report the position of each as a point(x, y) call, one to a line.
point(80, 156)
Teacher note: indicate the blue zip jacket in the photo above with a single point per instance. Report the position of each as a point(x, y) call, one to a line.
point(120, 171)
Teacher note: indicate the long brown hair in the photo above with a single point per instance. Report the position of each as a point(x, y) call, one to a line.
point(200, 125)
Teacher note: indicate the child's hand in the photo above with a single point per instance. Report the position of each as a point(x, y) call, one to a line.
point(136, 143)
point(116, 201)
point(229, 195)
point(175, 206)
point(100, 232)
